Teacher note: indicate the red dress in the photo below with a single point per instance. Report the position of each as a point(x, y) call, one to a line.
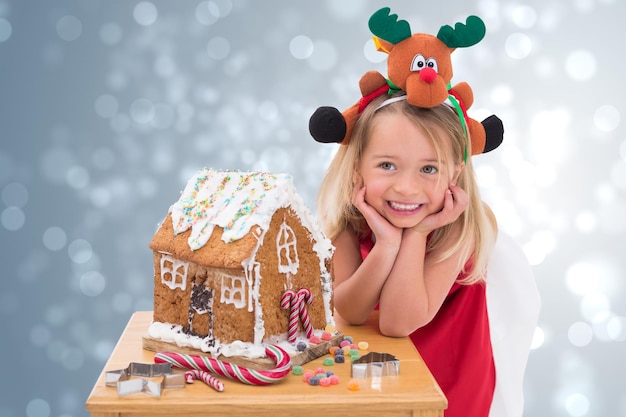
point(456, 347)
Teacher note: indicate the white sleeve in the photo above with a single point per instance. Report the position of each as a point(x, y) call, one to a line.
point(513, 307)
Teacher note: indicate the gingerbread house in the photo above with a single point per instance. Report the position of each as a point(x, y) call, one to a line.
point(229, 249)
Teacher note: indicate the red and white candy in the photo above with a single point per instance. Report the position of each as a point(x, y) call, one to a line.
point(296, 303)
point(206, 377)
point(232, 371)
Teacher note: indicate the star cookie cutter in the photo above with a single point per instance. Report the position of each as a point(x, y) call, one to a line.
point(126, 385)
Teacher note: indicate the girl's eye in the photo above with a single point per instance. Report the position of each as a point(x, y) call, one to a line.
point(429, 169)
point(387, 166)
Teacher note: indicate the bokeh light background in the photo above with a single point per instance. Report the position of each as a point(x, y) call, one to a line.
point(108, 107)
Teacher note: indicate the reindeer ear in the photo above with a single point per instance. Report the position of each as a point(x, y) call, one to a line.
point(382, 45)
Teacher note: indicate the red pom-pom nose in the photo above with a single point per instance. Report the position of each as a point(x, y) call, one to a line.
point(428, 75)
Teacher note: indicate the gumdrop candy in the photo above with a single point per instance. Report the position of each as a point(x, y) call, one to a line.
point(354, 385)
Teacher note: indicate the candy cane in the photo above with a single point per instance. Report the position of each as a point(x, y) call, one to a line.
point(232, 371)
point(206, 377)
point(287, 302)
point(305, 297)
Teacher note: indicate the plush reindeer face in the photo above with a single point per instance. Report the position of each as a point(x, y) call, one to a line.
point(420, 64)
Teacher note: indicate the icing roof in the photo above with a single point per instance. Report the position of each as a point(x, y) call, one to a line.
point(236, 201)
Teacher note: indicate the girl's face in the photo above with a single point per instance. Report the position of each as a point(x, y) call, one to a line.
point(404, 180)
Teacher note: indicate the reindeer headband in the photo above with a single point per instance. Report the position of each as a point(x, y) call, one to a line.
point(419, 65)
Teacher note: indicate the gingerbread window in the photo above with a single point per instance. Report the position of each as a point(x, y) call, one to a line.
point(173, 272)
point(288, 261)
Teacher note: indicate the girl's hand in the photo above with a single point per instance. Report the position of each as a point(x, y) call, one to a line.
point(386, 234)
point(454, 204)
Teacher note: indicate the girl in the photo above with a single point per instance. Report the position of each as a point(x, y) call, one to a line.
point(412, 238)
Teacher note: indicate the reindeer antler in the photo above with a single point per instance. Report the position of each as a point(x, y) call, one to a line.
point(463, 35)
point(387, 26)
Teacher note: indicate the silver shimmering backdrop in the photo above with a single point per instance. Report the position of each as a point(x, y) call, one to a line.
point(108, 106)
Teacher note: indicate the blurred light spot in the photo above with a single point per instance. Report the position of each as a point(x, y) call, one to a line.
point(117, 79)
point(103, 350)
point(147, 187)
point(100, 197)
point(220, 8)
point(5, 29)
point(69, 28)
point(544, 67)
point(548, 133)
point(301, 47)
point(92, 283)
point(346, 9)
point(72, 359)
point(78, 177)
point(595, 306)
point(14, 194)
point(611, 215)
point(142, 110)
point(618, 174)
point(164, 116)
point(584, 6)
point(54, 238)
point(606, 118)
point(534, 253)
point(605, 194)
point(518, 46)
point(12, 218)
point(586, 221)
point(165, 66)
point(218, 48)
point(577, 405)
point(145, 13)
point(580, 65)
point(538, 339)
point(40, 335)
point(581, 278)
point(37, 407)
point(110, 33)
point(103, 158)
point(56, 315)
point(248, 156)
point(106, 106)
point(268, 110)
point(502, 94)
point(80, 251)
point(122, 302)
point(372, 54)
point(120, 123)
point(524, 17)
point(616, 328)
point(205, 14)
point(522, 174)
point(55, 163)
point(486, 176)
point(324, 56)
point(580, 334)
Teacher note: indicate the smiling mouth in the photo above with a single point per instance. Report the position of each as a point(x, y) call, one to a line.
point(404, 207)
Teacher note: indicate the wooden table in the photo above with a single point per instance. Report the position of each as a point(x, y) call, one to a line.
point(412, 393)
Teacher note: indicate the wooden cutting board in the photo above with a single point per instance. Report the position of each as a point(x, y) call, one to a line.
point(300, 358)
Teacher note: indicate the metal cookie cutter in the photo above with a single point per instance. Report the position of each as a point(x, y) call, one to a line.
point(121, 378)
point(375, 364)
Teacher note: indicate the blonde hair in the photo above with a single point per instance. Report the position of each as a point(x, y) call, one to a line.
point(442, 126)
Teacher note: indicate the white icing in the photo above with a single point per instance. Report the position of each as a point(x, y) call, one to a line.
point(172, 267)
point(288, 261)
point(233, 291)
point(174, 334)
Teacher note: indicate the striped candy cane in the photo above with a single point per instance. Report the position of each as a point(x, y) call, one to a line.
point(287, 302)
point(206, 377)
point(232, 371)
point(305, 297)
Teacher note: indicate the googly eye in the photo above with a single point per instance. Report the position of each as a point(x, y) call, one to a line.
point(418, 63)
